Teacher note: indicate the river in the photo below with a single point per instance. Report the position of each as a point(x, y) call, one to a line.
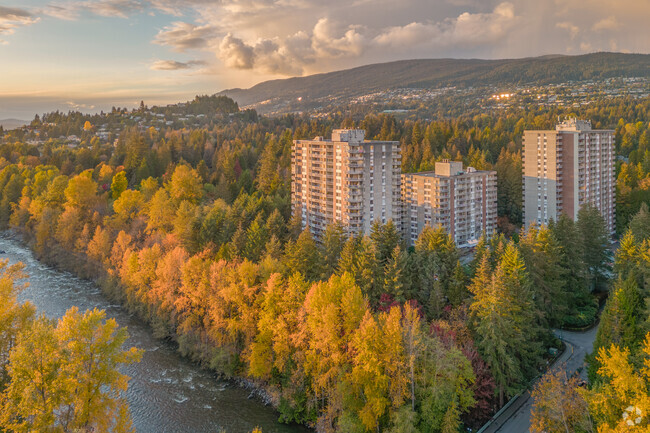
point(167, 393)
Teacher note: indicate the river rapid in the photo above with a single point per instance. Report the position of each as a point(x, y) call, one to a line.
point(167, 393)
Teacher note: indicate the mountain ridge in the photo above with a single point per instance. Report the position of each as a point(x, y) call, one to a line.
point(447, 72)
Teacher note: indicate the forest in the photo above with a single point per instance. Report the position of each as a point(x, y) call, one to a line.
point(617, 398)
point(192, 230)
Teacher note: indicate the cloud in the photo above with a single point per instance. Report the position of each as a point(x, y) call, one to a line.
point(114, 8)
point(182, 36)
point(289, 55)
point(72, 10)
point(76, 106)
point(466, 29)
point(13, 18)
point(333, 40)
point(173, 65)
point(235, 53)
point(330, 40)
point(609, 23)
point(570, 27)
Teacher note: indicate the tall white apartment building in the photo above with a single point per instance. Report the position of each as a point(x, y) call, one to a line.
point(566, 168)
point(463, 202)
point(347, 179)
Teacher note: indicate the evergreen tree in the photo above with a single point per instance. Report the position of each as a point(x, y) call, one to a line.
point(541, 253)
point(303, 257)
point(256, 238)
point(394, 275)
point(333, 241)
point(595, 240)
point(640, 223)
point(275, 225)
point(437, 258)
point(571, 255)
point(622, 321)
point(385, 238)
point(504, 320)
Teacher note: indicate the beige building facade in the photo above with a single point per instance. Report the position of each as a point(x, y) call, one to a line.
point(462, 201)
point(566, 168)
point(347, 179)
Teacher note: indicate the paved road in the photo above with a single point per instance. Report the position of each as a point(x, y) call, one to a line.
point(517, 418)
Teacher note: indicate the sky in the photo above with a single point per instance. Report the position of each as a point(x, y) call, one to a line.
point(90, 55)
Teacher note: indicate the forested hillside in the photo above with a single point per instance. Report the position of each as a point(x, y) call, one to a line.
point(191, 229)
point(438, 73)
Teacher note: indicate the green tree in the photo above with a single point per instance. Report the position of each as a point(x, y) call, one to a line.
point(256, 238)
point(435, 276)
point(119, 185)
point(595, 240)
point(504, 321)
point(541, 253)
point(394, 278)
point(640, 223)
point(333, 241)
point(621, 322)
point(303, 257)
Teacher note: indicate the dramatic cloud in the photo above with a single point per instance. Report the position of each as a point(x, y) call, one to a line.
point(242, 42)
point(12, 18)
point(329, 40)
point(235, 53)
point(266, 55)
point(173, 65)
point(288, 56)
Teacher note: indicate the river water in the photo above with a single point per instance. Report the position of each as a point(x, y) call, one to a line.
point(167, 394)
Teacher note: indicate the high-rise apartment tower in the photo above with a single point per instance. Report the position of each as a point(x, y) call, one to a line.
point(566, 168)
point(346, 179)
point(463, 202)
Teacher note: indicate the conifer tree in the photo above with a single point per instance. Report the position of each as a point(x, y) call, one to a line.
point(640, 223)
point(394, 275)
point(541, 254)
point(256, 238)
point(302, 256)
point(621, 322)
point(595, 239)
point(504, 320)
point(333, 241)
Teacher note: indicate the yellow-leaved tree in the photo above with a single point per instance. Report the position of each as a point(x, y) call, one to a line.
point(621, 402)
point(64, 377)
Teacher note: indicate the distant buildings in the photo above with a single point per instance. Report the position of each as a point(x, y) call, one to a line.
point(356, 182)
point(464, 202)
point(347, 179)
point(566, 168)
